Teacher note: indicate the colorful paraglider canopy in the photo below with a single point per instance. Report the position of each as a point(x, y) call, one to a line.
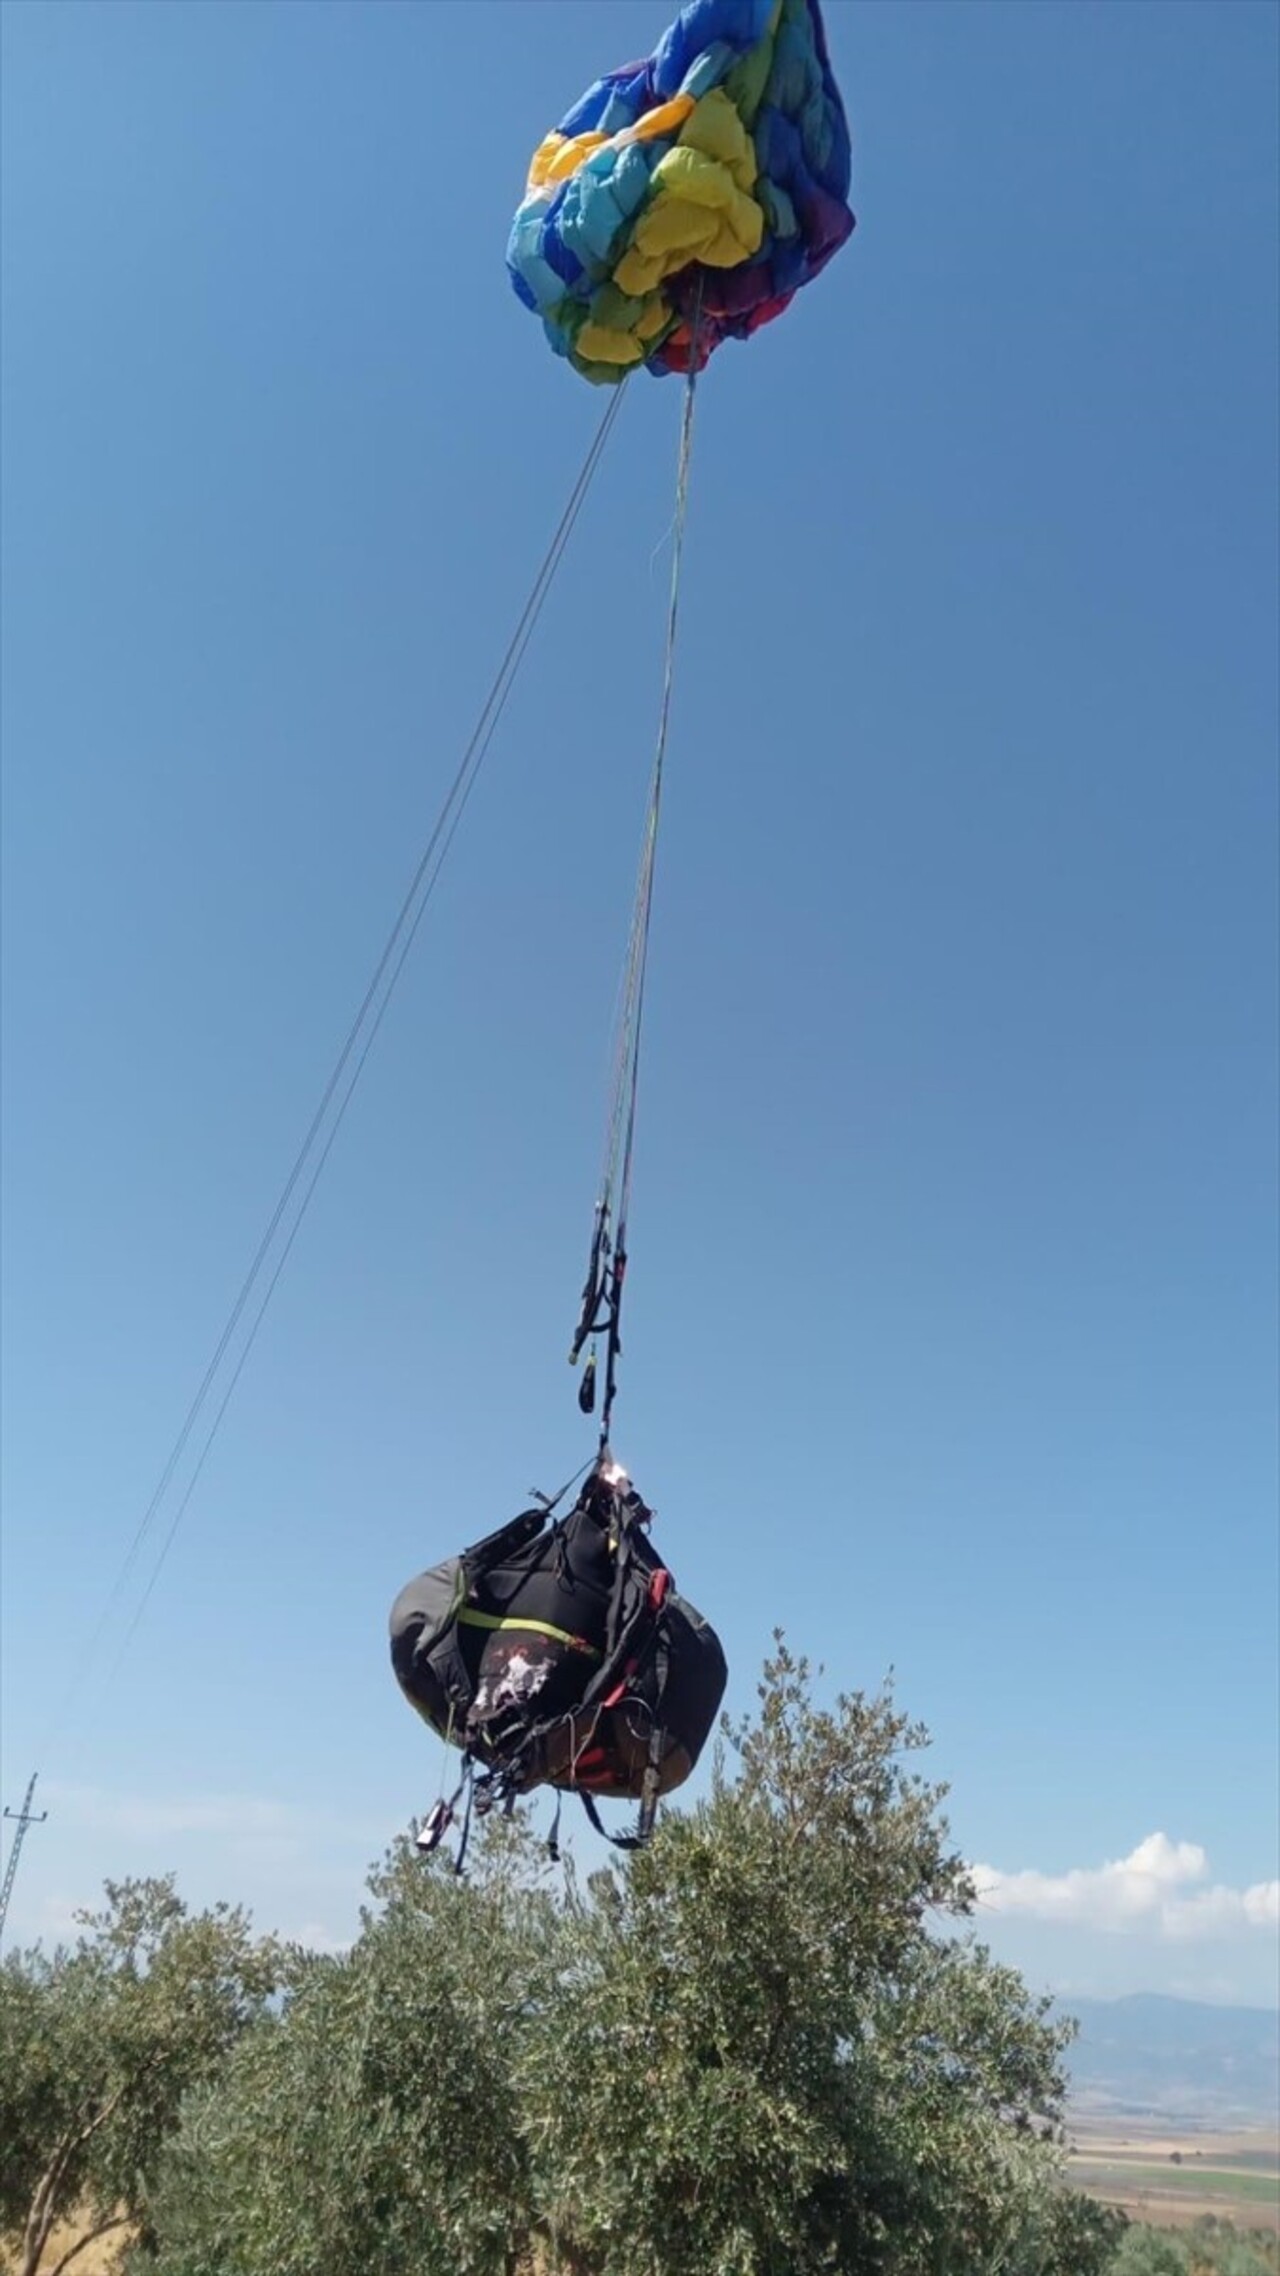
point(686, 199)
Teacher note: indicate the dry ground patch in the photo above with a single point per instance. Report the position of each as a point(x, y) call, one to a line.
point(101, 2258)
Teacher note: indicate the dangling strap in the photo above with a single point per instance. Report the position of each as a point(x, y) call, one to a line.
point(657, 1744)
point(465, 1836)
point(619, 1840)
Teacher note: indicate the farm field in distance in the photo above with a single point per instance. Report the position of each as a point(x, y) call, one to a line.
point(1173, 2178)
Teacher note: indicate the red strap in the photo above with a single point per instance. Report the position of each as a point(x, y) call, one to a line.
point(619, 1691)
point(658, 1587)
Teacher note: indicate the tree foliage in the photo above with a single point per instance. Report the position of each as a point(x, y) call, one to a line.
point(376, 2126)
point(99, 2047)
point(1210, 2247)
point(767, 2045)
point(790, 2064)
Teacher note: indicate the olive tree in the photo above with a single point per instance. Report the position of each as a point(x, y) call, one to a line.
point(767, 2044)
point(771, 2054)
point(376, 2127)
point(99, 2045)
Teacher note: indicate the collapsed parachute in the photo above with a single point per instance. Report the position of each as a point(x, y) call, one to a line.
point(561, 1654)
point(685, 200)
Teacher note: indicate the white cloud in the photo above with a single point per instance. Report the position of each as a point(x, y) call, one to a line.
point(318, 1938)
point(1262, 1904)
point(1161, 1886)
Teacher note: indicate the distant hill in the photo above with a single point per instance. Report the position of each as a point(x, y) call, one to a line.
point(1148, 2056)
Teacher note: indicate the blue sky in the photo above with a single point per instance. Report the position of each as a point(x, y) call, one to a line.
point(952, 1326)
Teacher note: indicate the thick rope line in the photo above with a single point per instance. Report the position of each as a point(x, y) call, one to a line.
point(638, 952)
point(620, 1144)
point(381, 985)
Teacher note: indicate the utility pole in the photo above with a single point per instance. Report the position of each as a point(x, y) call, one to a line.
point(25, 1817)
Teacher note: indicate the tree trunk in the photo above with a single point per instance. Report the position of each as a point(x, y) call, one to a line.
point(35, 2238)
point(117, 2221)
point(44, 2210)
point(44, 2205)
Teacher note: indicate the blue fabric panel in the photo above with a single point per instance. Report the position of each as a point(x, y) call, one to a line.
point(630, 182)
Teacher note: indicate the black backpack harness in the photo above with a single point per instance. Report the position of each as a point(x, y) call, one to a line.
point(614, 1733)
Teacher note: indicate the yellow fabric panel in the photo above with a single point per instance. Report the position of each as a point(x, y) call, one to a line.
point(674, 218)
point(654, 317)
point(555, 159)
point(725, 250)
point(697, 213)
point(541, 161)
point(689, 177)
point(715, 129)
point(597, 344)
point(636, 276)
point(667, 119)
point(639, 273)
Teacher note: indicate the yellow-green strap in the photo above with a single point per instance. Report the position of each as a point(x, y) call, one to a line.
point(473, 1619)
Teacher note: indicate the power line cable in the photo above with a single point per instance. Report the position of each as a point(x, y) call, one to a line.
point(366, 1024)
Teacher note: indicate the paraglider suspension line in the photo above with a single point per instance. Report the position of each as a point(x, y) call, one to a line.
point(606, 1273)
